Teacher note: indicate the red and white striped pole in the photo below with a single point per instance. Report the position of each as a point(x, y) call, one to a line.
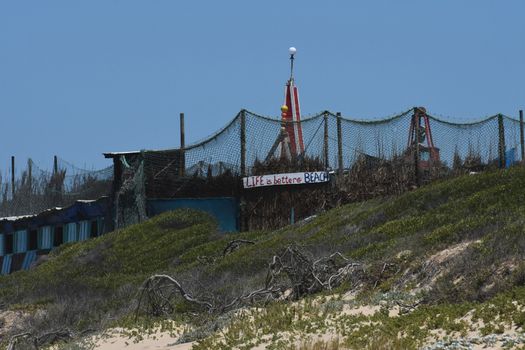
point(291, 115)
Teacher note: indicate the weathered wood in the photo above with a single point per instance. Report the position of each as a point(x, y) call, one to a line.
point(29, 181)
point(282, 136)
point(501, 143)
point(243, 142)
point(182, 163)
point(243, 216)
point(12, 177)
point(416, 122)
point(325, 138)
point(522, 138)
point(339, 144)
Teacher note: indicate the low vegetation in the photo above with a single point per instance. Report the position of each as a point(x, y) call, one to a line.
point(439, 263)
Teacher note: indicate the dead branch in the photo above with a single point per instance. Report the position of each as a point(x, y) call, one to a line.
point(234, 245)
point(53, 337)
point(408, 307)
point(40, 341)
point(17, 337)
point(291, 269)
point(159, 290)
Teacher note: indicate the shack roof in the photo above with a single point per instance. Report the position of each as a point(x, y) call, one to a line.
point(118, 154)
point(80, 210)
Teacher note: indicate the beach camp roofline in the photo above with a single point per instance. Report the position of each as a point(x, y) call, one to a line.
point(24, 238)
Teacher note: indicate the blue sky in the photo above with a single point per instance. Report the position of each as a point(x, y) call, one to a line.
point(81, 78)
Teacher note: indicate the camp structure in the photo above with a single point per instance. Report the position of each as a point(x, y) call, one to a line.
point(24, 238)
point(147, 183)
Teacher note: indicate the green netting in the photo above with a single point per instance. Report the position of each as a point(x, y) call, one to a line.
point(386, 138)
point(36, 189)
point(380, 145)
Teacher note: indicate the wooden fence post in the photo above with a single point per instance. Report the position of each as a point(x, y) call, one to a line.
point(243, 217)
point(29, 182)
point(182, 161)
point(339, 144)
point(522, 138)
point(325, 148)
point(12, 177)
point(243, 143)
point(501, 144)
point(417, 120)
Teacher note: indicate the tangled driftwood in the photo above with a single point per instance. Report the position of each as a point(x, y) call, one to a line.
point(234, 245)
point(36, 342)
point(291, 274)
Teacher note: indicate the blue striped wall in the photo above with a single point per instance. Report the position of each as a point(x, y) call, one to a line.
point(6, 264)
point(29, 258)
point(84, 229)
point(20, 241)
point(70, 232)
point(45, 237)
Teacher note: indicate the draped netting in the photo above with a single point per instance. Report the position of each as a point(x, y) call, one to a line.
point(377, 150)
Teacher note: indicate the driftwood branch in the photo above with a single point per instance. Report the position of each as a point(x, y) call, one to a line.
point(234, 245)
point(39, 341)
point(17, 337)
point(291, 274)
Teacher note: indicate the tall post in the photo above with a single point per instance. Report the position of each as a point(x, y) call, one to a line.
point(12, 177)
point(501, 144)
point(339, 144)
point(56, 186)
point(182, 161)
point(29, 182)
point(522, 138)
point(243, 143)
point(55, 165)
point(325, 137)
point(417, 121)
point(243, 217)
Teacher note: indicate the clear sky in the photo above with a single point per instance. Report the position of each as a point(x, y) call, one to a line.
point(78, 78)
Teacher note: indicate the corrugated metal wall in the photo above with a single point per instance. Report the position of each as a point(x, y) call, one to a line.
point(20, 241)
point(45, 237)
point(6, 264)
point(70, 232)
point(100, 226)
point(29, 258)
point(2, 244)
point(84, 230)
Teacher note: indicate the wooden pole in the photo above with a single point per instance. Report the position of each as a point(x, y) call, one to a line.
point(54, 181)
point(243, 143)
point(243, 203)
point(29, 173)
point(12, 177)
point(29, 182)
point(325, 148)
point(501, 145)
point(55, 165)
point(182, 161)
point(522, 138)
point(417, 120)
point(339, 144)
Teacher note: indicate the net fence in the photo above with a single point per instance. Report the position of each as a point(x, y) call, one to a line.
point(371, 154)
point(386, 139)
point(36, 189)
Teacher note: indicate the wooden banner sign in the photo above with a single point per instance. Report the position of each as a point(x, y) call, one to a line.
point(286, 179)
